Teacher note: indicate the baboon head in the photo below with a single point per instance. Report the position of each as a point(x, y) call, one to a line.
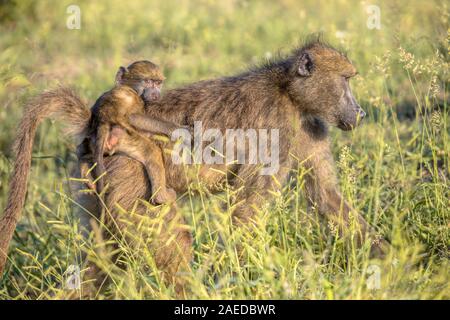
point(319, 84)
point(144, 77)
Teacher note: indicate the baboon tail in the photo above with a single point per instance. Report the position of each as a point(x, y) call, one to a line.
point(62, 104)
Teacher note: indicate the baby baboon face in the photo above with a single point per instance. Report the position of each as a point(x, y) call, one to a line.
point(144, 77)
point(321, 86)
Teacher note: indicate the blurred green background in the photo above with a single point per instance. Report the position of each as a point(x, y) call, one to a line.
point(394, 168)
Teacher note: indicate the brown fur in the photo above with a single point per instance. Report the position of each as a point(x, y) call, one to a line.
point(113, 109)
point(271, 96)
point(64, 104)
point(61, 103)
point(299, 95)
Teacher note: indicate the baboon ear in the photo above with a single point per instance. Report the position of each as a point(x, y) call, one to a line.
point(119, 75)
point(306, 65)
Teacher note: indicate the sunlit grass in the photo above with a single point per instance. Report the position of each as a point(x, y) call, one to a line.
point(394, 168)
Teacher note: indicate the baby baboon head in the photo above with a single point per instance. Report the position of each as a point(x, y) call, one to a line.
point(320, 85)
point(144, 77)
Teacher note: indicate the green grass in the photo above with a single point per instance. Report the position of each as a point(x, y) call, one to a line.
point(394, 169)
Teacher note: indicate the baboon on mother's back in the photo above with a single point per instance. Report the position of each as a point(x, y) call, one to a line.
point(136, 88)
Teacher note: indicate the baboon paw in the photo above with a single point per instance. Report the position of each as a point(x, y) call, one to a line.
point(90, 185)
point(165, 196)
point(379, 248)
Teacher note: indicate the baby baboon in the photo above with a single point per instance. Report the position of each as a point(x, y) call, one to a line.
point(139, 83)
point(64, 104)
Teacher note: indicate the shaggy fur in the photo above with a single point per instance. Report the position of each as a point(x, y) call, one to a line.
point(299, 95)
point(61, 103)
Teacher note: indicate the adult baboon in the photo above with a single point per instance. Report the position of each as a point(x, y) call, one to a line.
point(300, 95)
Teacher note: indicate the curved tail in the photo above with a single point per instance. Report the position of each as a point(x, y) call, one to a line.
point(62, 104)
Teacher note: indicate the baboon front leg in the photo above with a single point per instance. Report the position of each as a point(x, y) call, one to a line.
point(322, 191)
point(256, 191)
point(154, 125)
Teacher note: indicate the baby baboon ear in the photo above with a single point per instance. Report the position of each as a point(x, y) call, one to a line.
point(305, 65)
point(119, 75)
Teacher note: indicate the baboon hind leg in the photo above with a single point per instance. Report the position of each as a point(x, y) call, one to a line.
point(171, 244)
point(85, 161)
